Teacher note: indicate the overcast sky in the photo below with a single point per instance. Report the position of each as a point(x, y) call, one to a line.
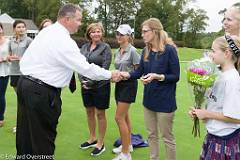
point(213, 7)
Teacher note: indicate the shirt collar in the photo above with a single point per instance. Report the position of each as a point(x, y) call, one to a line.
point(126, 49)
point(21, 38)
point(62, 27)
point(225, 73)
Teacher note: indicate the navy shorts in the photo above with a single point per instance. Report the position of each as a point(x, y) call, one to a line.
point(97, 97)
point(126, 91)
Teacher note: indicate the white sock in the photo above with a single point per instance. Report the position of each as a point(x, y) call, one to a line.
point(126, 155)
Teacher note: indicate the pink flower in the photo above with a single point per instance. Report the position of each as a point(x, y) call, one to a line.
point(199, 71)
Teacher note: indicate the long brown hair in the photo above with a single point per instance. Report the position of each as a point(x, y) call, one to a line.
point(160, 37)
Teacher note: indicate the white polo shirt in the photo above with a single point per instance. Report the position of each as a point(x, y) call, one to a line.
point(54, 55)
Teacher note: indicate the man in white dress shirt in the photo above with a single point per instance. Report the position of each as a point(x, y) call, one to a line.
point(47, 66)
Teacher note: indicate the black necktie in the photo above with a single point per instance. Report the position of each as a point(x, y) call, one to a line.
point(72, 85)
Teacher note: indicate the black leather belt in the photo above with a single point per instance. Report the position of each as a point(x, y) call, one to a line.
point(38, 81)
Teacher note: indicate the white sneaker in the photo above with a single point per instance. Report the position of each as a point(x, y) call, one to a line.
point(122, 156)
point(14, 130)
point(119, 149)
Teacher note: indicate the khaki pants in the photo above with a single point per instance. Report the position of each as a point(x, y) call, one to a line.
point(163, 122)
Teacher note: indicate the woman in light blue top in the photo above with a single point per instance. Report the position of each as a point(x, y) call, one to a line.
point(4, 71)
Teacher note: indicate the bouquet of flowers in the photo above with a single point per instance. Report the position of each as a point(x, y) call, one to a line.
point(201, 74)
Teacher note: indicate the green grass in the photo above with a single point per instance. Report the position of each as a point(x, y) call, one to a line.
point(187, 54)
point(72, 127)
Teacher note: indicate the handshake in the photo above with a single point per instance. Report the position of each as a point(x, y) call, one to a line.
point(148, 78)
point(118, 76)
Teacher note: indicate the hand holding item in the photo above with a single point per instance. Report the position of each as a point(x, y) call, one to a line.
point(191, 114)
point(125, 75)
point(116, 76)
point(13, 58)
point(3, 59)
point(87, 83)
point(151, 76)
point(84, 85)
point(200, 113)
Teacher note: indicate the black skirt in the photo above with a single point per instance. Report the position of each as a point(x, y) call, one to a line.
point(126, 91)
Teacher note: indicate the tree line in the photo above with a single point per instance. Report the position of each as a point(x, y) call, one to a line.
point(183, 23)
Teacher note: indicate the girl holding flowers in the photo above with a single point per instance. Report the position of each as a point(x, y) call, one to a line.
point(222, 115)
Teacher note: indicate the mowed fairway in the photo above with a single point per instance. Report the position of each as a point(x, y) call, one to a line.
point(72, 127)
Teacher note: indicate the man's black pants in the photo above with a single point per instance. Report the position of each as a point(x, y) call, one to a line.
point(39, 107)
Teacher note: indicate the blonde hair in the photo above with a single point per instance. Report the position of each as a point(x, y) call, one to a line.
point(92, 27)
point(160, 36)
point(236, 9)
point(130, 39)
point(236, 6)
point(223, 45)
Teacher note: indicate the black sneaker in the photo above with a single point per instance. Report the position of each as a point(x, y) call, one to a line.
point(87, 145)
point(97, 152)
